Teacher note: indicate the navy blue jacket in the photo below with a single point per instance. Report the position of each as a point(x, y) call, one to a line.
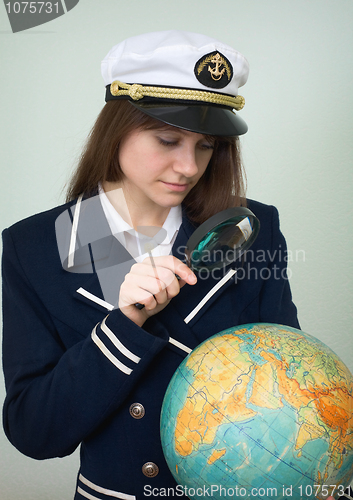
point(74, 364)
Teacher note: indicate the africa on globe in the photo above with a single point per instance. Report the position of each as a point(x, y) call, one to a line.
point(260, 411)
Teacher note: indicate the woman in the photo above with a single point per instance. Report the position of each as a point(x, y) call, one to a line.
point(83, 365)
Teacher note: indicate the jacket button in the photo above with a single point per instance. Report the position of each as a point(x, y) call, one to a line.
point(150, 469)
point(137, 410)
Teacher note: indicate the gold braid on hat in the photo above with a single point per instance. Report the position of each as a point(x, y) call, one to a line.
point(137, 92)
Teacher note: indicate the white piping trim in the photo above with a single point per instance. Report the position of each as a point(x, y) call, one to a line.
point(108, 354)
point(124, 350)
point(70, 259)
point(180, 345)
point(85, 494)
point(207, 297)
point(95, 299)
point(99, 489)
point(111, 335)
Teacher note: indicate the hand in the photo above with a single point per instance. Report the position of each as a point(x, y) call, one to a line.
point(152, 283)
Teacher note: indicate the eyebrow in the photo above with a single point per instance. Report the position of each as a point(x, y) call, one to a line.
point(172, 128)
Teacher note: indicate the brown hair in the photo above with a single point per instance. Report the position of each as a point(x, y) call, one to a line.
point(220, 187)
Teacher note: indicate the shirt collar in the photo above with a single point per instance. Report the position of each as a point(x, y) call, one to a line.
point(118, 225)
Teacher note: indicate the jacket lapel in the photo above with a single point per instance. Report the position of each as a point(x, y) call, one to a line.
point(100, 262)
point(191, 296)
point(110, 272)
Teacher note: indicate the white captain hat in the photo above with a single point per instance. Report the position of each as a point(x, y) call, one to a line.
point(184, 79)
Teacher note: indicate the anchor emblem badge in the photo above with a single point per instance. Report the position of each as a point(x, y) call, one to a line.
point(214, 70)
point(215, 73)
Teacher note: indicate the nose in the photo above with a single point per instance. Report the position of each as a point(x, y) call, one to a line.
point(186, 161)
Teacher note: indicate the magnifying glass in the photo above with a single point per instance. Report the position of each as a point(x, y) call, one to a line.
point(220, 240)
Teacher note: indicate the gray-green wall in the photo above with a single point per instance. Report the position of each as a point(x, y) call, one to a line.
point(298, 151)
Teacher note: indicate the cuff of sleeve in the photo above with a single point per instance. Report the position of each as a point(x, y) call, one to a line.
point(126, 345)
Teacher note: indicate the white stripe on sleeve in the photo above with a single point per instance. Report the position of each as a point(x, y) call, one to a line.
point(118, 344)
point(108, 354)
point(105, 491)
point(85, 494)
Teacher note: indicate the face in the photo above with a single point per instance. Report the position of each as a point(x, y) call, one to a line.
point(161, 166)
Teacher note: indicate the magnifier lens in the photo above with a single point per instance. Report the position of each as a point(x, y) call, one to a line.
point(222, 240)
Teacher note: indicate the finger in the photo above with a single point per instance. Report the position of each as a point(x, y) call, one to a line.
point(168, 288)
point(155, 271)
point(161, 275)
point(173, 288)
point(134, 284)
point(136, 289)
point(161, 297)
point(145, 268)
point(175, 265)
point(130, 297)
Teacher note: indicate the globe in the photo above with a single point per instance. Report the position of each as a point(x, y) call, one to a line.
point(260, 411)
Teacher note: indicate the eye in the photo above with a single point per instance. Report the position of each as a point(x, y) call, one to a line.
point(164, 142)
point(206, 146)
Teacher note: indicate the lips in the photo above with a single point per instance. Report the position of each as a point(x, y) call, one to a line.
point(175, 186)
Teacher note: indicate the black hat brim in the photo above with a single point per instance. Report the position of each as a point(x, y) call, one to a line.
point(203, 119)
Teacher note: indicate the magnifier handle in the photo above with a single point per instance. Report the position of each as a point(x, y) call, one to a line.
point(141, 306)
